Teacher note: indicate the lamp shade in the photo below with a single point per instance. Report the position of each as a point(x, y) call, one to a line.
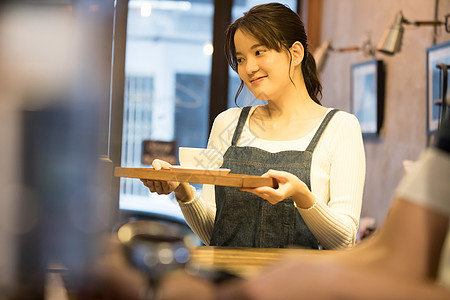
point(392, 38)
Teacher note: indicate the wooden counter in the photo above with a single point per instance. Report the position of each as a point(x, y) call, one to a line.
point(244, 262)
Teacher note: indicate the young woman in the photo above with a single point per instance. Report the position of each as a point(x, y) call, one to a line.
point(315, 153)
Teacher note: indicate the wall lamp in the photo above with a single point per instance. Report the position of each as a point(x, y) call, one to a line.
point(321, 52)
point(392, 38)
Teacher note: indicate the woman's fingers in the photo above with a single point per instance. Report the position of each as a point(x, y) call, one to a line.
point(272, 195)
point(160, 187)
point(280, 176)
point(157, 186)
point(149, 183)
point(160, 164)
point(284, 190)
point(163, 187)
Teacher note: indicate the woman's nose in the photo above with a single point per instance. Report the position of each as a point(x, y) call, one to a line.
point(251, 66)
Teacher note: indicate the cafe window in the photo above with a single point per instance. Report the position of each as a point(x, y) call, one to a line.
point(138, 102)
point(166, 97)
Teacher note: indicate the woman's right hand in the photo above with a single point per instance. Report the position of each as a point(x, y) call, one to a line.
point(183, 191)
point(159, 186)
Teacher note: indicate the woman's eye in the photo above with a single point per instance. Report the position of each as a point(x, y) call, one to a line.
point(239, 60)
point(259, 52)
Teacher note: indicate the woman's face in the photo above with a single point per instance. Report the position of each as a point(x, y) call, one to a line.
point(264, 71)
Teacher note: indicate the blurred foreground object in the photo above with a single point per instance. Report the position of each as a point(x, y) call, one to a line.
point(53, 203)
point(156, 247)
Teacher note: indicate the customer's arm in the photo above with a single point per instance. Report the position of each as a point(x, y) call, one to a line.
point(398, 262)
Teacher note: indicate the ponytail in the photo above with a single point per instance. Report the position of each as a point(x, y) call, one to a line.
point(311, 77)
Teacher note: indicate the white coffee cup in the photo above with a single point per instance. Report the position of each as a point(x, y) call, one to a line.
point(199, 158)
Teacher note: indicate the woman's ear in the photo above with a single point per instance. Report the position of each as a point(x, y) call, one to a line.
point(297, 52)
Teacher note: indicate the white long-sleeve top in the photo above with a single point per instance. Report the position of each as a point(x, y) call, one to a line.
point(337, 177)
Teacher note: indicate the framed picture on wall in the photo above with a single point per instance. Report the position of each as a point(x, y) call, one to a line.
point(436, 55)
point(367, 95)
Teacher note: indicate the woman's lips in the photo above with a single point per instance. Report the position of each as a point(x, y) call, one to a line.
point(257, 80)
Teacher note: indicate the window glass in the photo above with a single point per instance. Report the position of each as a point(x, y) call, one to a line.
point(166, 97)
point(246, 97)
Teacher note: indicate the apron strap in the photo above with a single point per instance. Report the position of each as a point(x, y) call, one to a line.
point(242, 119)
point(315, 140)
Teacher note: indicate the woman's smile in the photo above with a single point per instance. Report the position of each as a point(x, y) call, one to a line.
point(257, 79)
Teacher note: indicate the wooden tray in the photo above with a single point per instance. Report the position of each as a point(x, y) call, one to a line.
point(205, 177)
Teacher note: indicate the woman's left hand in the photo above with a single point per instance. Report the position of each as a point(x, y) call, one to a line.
point(289, 185)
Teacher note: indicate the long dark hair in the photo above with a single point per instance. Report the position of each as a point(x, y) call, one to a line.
point(275, 26)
